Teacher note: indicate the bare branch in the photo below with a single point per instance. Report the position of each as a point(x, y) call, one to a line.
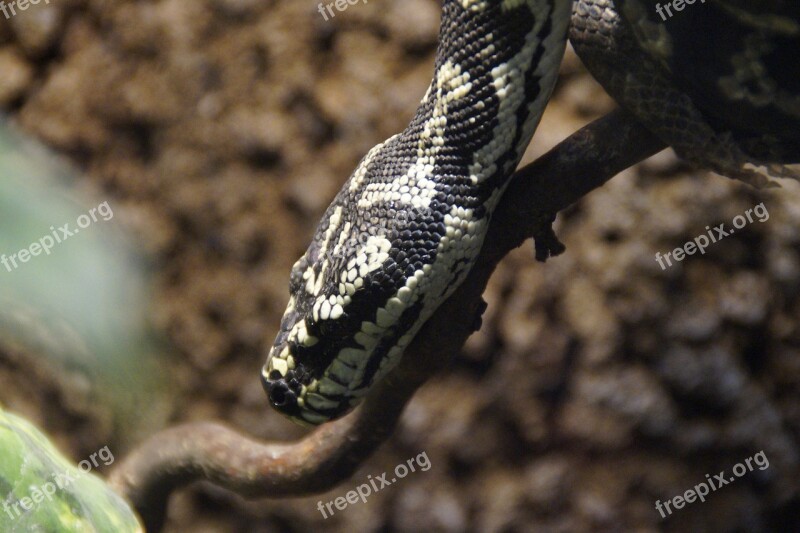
point(215, 453)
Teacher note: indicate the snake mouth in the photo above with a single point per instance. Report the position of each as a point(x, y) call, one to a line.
point(287, 394)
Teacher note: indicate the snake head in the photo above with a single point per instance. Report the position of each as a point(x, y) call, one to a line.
point(295, 363)
point(335, 339)
point(353, 308)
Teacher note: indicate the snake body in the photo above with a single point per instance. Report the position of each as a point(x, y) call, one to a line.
point(717, 81)
point(407, 226)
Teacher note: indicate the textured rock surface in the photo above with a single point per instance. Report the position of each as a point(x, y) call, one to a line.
point(599, 382)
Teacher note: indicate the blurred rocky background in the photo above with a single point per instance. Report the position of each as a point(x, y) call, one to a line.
point(600, 383)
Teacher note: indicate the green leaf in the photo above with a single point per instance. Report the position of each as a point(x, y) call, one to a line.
point(42, 492)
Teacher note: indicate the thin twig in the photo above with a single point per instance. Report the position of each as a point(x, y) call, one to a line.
point(330, 454)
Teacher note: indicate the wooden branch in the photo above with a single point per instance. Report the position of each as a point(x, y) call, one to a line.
point(330, 454)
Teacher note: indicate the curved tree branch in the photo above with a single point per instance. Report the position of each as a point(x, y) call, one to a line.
point(330, 454)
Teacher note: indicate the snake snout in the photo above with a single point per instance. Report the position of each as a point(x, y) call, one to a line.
point(281, 394)
point(283, 391)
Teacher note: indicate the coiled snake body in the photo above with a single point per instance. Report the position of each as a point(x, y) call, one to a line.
point(407, 226)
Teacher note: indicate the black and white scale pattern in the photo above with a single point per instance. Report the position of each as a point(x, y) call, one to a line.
point(407, 226)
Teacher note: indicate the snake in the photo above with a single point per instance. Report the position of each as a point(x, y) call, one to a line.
point(406, 227)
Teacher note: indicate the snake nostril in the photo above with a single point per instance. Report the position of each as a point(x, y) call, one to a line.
point(280, 395)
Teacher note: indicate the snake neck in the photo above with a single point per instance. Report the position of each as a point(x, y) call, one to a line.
point(496, 65)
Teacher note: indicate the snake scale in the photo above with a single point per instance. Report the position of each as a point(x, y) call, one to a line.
point(407, 226)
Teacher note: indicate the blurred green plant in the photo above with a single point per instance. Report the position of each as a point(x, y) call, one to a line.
point(43, 492)
point(81, 306)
